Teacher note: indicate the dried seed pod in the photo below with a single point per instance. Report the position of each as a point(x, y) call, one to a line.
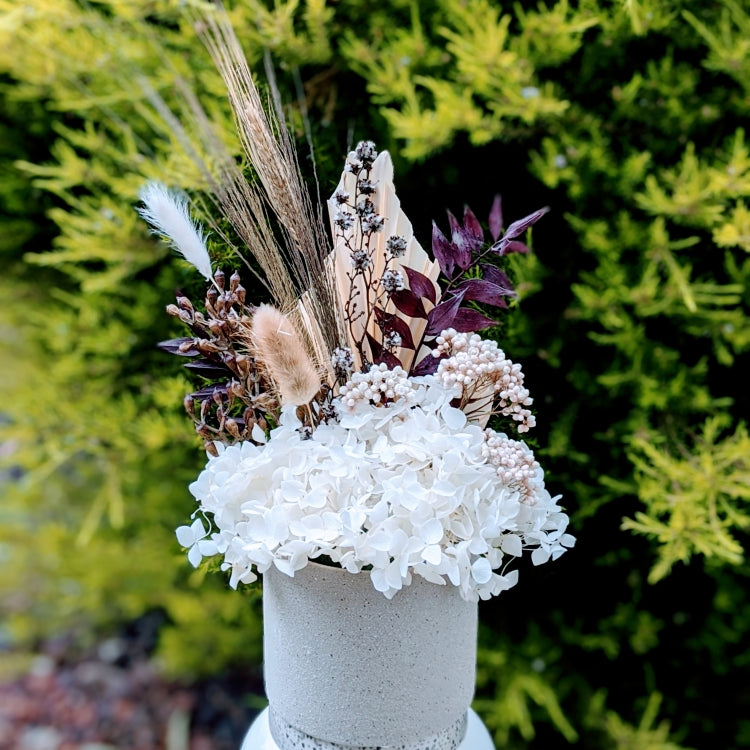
point(189, 404)
point(187, 345)
point(249, 418)
point(240, 291)
point(173, 310)
point(230, 425)
point(206, 347)
point(217, 397)
point(242, 365)
point(185, 304)
point(219, 279)
point(220, 305)
point(210, 448)
point(234, 281)
point(205, 406)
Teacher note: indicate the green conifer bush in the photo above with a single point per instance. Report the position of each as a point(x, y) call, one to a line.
point(627, 119)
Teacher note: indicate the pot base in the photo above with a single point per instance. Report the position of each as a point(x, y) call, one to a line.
point(259, 736)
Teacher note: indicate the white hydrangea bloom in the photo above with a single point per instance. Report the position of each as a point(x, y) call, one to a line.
point(400, 486)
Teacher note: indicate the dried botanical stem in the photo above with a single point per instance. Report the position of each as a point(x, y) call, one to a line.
point(271, 153)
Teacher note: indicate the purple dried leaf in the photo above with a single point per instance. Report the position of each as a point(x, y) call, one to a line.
point(208, 369)
point(482, 290)
point(517, 228)
point(408, 303)
point(467, 320)
point(496, 218)
point(462, 242)
point(472, 226)
point(443, 251)
point(421, 285)
point(428, 366)
point(498, 277)
point(455, 228)
point(389, 322)
point(514, 246)
point(380, 355)
point(442, 315)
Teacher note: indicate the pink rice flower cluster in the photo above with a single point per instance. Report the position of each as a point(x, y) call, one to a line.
point(482, 371)
point(515, 462)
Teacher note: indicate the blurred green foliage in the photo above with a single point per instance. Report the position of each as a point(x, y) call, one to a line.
point(625, 117)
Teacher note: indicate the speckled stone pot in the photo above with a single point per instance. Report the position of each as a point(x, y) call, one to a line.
point(346, 665)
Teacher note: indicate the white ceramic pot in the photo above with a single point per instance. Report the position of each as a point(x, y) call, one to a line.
point(349, 668)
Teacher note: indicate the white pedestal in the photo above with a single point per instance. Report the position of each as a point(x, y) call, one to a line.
point(259, 736)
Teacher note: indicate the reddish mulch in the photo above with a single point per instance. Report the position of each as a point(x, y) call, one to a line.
point(115, 699)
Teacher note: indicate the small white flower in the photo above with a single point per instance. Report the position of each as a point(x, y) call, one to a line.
point(193, 537)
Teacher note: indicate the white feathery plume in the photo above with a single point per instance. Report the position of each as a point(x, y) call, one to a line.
point(167, 213)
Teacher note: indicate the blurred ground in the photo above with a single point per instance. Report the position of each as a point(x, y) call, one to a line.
point(114, 699)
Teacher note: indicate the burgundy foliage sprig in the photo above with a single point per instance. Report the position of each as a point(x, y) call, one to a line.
point(469, 276)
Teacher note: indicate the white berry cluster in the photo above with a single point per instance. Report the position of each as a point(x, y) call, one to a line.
point(477, 365)
point(515, 463)
point(378, 387)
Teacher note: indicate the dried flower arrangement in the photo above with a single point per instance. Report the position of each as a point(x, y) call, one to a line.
point(346, 422)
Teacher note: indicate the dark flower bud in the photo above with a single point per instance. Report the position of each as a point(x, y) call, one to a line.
point(396, 246)
point(365, 207)
point(366, 187)
point(366, 153)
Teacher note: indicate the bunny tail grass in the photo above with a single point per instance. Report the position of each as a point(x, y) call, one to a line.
point(167, 213)
point(278, 347)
